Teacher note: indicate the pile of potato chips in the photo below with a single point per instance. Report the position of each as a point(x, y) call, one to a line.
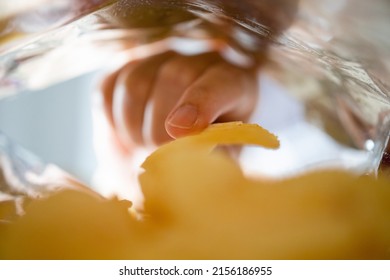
point(200, 205)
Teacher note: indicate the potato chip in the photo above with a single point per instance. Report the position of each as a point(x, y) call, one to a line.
point(232, 133)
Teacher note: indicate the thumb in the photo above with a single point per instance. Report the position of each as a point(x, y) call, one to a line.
point(223, 93)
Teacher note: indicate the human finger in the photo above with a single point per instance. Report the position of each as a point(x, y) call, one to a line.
point(130, 96)
point(224, 92)
point(173, 78)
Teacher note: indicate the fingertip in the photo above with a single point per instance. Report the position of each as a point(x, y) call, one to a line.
point(183, 121)
point(184, 117)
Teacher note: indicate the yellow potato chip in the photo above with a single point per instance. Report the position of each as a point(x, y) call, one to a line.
point(69, 225)
point(232, 133)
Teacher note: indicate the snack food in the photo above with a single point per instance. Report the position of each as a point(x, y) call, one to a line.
point(199, 205)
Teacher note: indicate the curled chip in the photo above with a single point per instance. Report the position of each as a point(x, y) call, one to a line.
point(232, 133)
point(200, 205)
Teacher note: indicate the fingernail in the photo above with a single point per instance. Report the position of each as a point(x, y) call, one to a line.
point(184, 117)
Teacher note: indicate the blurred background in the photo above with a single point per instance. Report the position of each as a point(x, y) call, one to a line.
point(55, 123)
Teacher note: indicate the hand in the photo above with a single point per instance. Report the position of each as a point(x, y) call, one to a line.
point(168, 96)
